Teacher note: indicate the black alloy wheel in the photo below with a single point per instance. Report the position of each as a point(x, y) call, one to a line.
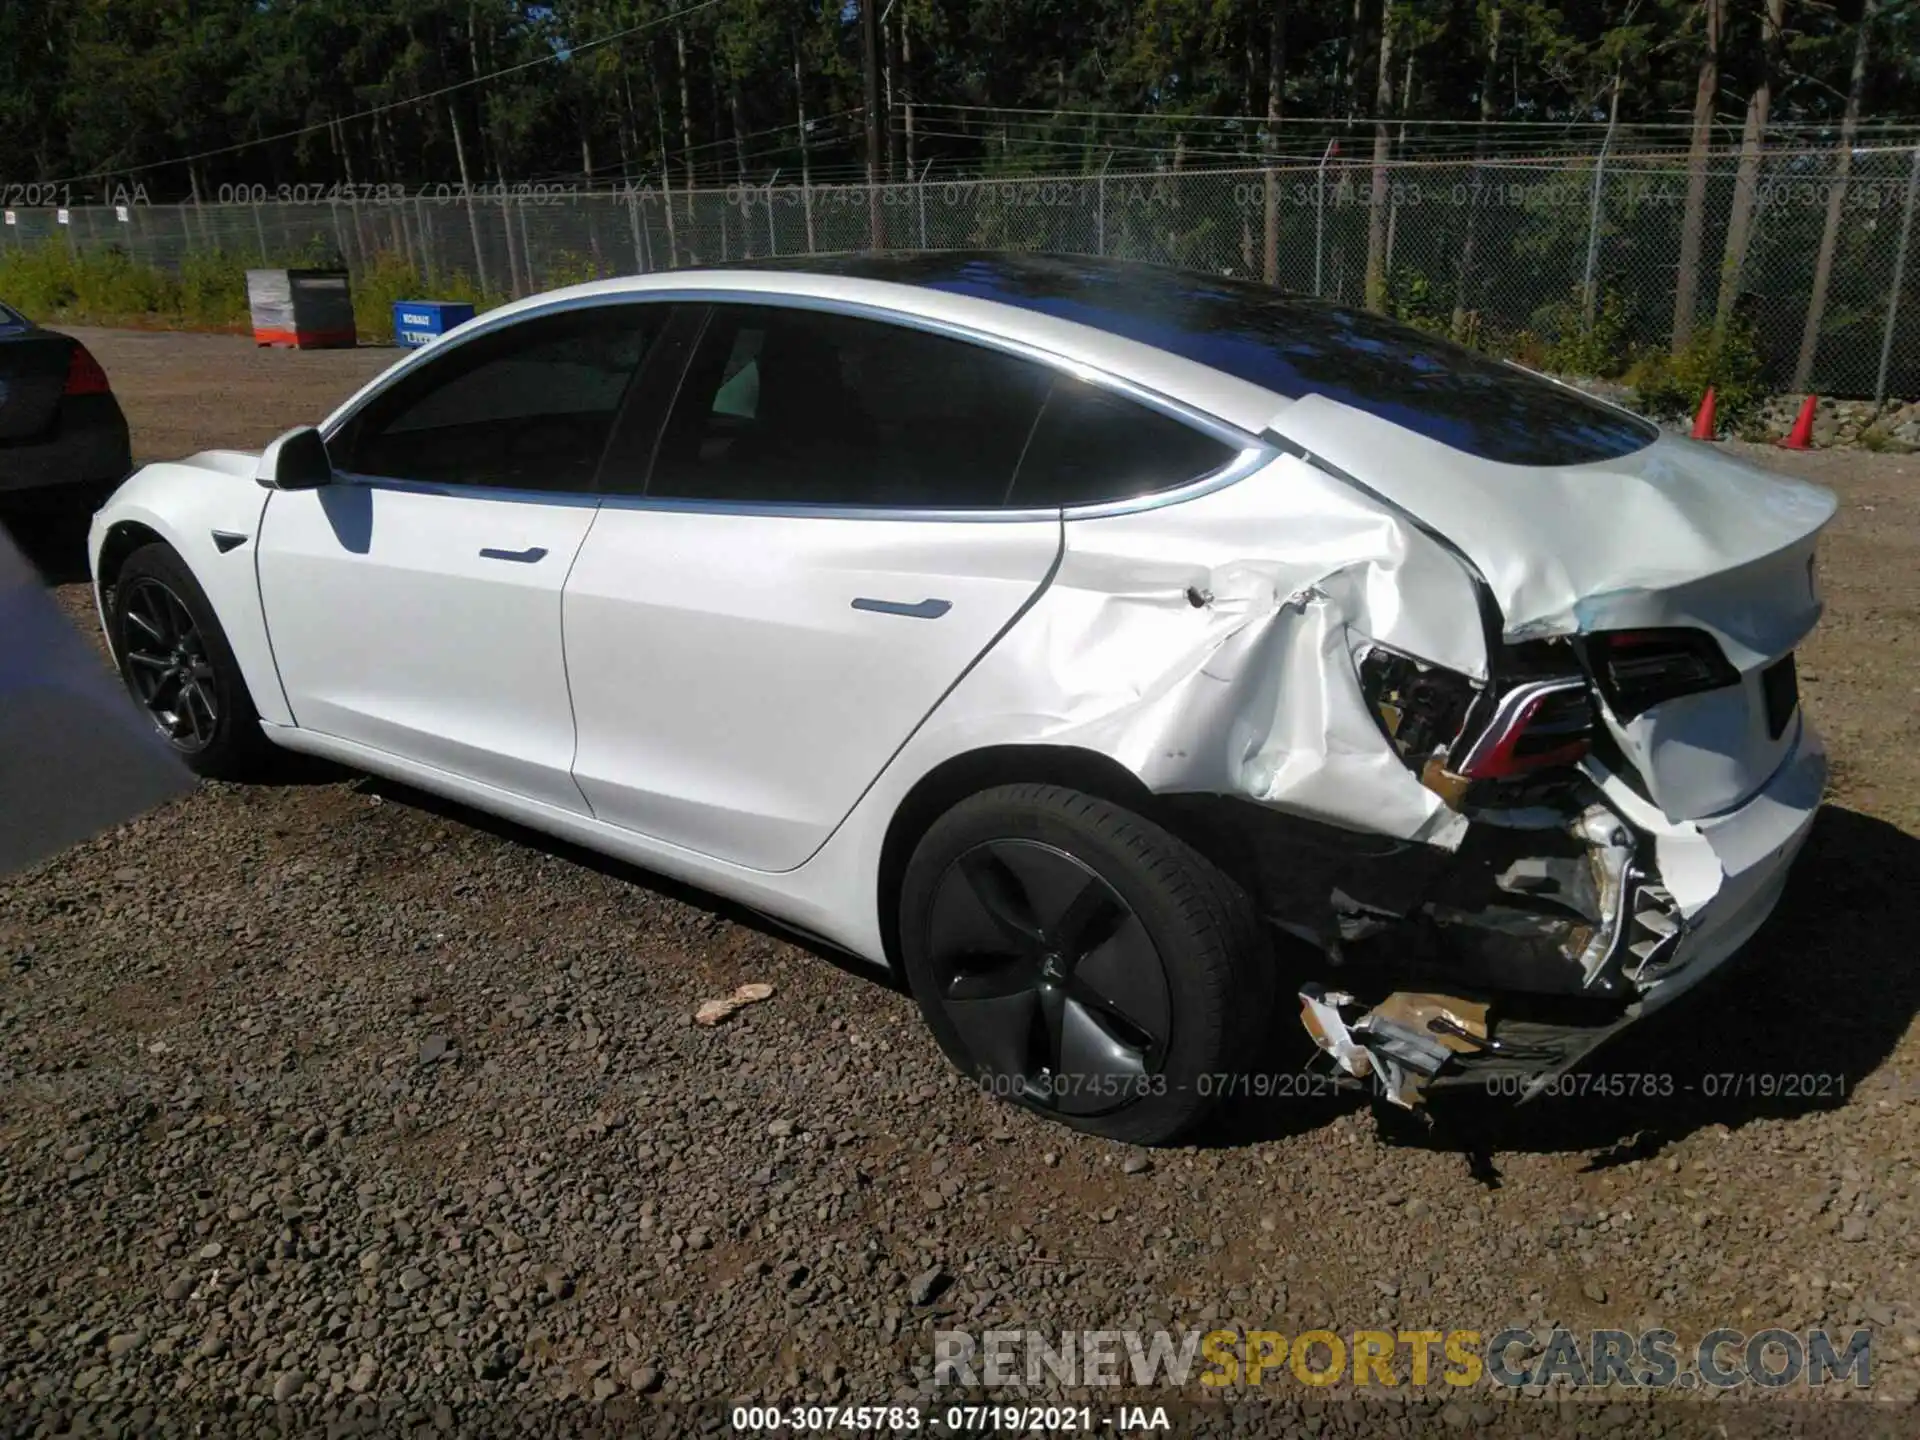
point(1049, 977)
point(166, 664)
point(1075, 958)
point(180, 669)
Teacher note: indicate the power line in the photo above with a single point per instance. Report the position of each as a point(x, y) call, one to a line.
point(1255, 122)
point(812, 120)
point(1097, 138)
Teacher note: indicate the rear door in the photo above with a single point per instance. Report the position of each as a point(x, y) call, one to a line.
point(822, 552)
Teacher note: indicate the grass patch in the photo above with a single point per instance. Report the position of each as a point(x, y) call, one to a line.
point(57, 283)
point(104, 285)
point(390, 279)
point(1669, 387)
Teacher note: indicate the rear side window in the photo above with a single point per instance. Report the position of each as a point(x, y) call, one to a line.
point(803, 407)
point(529, 407)
point(1093, 446)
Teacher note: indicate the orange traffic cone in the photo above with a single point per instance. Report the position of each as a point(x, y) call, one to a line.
point(1801, 436)
point(1703, 422)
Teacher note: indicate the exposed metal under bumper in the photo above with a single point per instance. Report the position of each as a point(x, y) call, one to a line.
point(1662, 934)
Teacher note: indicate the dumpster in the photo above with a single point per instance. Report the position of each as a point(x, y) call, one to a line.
point(420, 322)
point(302, 309)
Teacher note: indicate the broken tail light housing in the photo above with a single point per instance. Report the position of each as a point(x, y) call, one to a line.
point(1535, 725)
point(1420, 706)
point(1432, 717)
point(1639, 669)
point(84, 375)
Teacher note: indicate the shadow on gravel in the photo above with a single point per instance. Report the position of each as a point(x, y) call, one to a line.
point(55, 544)
point(661, 885)
point(1792, 1025)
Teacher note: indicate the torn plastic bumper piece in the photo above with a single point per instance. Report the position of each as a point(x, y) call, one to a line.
point(1411, 1039)
point(1402, 1043)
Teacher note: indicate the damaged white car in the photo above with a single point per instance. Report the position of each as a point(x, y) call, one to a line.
point(1059, 633)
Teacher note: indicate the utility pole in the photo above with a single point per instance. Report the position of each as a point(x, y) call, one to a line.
point(870, 45)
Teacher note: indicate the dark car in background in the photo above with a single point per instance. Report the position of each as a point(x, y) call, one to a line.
point(63, 440)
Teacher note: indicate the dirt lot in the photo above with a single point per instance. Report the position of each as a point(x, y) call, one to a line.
point(326, 1093)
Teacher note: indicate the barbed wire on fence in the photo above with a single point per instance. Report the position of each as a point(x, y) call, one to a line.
point(1505, 252)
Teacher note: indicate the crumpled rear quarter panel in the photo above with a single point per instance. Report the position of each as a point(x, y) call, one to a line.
point(1208, 646)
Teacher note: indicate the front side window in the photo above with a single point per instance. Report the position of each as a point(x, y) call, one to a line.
point(803, 407)
point(528, 407)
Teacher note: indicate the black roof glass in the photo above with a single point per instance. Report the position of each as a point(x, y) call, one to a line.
point(1289, 344)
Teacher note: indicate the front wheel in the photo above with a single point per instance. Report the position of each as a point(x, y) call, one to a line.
point(177, 664)
point(1076, 958)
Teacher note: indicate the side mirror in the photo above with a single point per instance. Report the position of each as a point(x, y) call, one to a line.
point(296, 461)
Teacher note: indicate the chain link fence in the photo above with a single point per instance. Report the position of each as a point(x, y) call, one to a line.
point(1520, 256)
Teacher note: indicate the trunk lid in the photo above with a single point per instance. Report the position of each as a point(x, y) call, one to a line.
point(1674, 536)
point(33, 376)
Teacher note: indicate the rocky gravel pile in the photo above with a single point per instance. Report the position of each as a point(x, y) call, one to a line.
point(1893, 425)
point(317, 1097)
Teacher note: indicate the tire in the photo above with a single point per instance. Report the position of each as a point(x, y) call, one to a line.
point(1078, 959)
point(158, 612)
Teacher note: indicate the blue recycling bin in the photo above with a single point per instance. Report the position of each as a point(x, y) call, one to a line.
point(417, 322)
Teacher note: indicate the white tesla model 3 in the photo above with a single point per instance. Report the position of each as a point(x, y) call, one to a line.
point(1059, 633)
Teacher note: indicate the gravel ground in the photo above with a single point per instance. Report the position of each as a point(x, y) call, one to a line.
point(325, 1097)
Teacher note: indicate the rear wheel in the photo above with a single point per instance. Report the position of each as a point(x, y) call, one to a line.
point(1076, 958)
point(178, 665)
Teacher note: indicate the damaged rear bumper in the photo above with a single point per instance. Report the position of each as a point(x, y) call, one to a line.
point(1727, 872)
point(1686, 898)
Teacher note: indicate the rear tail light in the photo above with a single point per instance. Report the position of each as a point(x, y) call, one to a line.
point(84, 375)
point(1780, 688)
point(1639, 669)
point(1535, 725)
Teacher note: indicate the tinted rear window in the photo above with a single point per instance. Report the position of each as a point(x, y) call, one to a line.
point(11, 320)
point(1296, 346)
point(1091, 446)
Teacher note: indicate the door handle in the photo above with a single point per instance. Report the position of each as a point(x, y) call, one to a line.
point(528, 556)
point(923, 610)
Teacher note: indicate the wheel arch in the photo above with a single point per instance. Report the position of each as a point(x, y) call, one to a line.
point(123, 537)
point(972, 771)
point(199, 513)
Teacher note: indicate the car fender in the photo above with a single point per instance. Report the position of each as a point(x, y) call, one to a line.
point(208, 507)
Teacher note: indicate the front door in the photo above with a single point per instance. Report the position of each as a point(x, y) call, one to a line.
point(414, 605)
